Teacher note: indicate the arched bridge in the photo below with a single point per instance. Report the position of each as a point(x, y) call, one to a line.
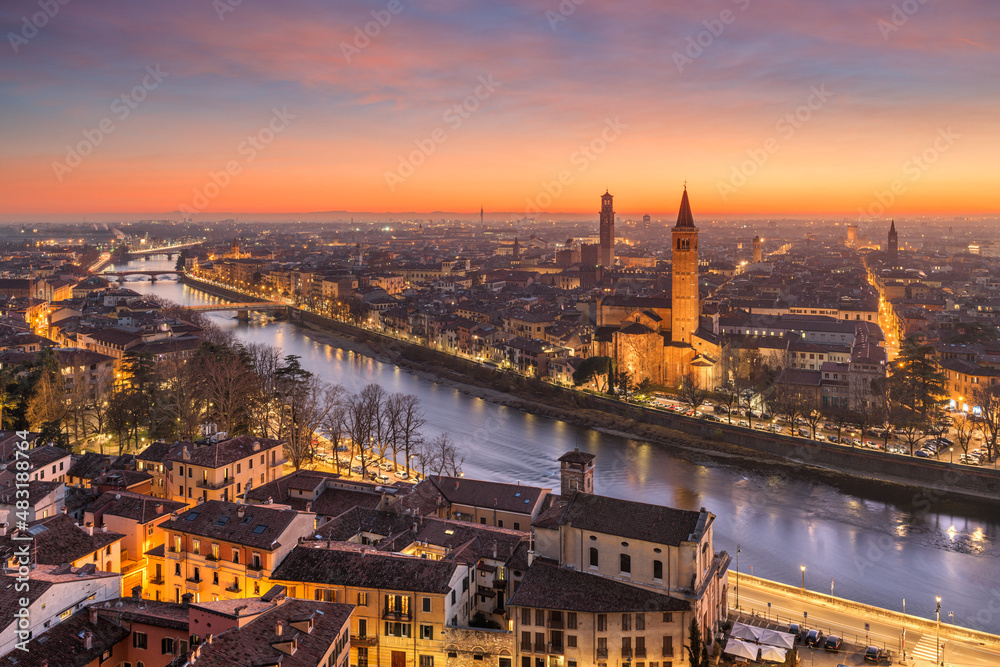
point(243, 309)
point(151, 274)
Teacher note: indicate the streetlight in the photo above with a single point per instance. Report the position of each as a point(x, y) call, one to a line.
point(952, 454)
point(803, 567)
point(937, 644)
point(737, 578)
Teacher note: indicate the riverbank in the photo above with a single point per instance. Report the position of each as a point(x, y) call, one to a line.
point(868, 473)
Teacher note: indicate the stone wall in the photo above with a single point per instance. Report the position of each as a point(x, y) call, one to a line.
point(462, 645)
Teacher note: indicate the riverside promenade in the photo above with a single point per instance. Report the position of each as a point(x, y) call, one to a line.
point(892, 630)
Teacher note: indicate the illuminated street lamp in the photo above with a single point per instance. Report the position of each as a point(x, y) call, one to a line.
point(803, 568)
point(937, 645)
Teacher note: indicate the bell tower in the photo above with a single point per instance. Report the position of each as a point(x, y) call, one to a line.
point(685, 307)
point(607, 230)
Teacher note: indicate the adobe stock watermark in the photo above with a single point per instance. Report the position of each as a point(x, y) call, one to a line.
point(913, 170)
point(121, 108)
point(364, 34)
point(454, 117)
point(714, 27)
point(900, 16)
point(223, 7)
point(248, 150)
point(581, 158)
point(562, 13)
point(786, 127)
point(30, 25)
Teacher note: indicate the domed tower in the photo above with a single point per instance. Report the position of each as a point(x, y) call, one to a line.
point(685, 308)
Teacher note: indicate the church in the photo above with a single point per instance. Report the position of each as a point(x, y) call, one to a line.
point(648, 340)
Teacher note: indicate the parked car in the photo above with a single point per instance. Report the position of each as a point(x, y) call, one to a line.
point(356, 470)
point(923, 453)
point(856, 442)
point(814, 638)
point(743, 423)
point(760, 426)
point(833, 438)
point(875, 654)
point(804, 432)
point(386, 465)
point(382, 479)
point(775, 428)
point(402, 474)
point(832, 643)
point(946, 441)
point(795, 629)
point(871, 444)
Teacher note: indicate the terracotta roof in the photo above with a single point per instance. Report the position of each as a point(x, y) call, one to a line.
point(135, 506)
point(122, 478)
point(576, 456)
point(45, 454)
point(64, 645)
point(480, 493)
point(352, 565)
point(256, 642)
point(151, 612)
point(631, 520)
point(259, 527)
point(227, 452)
point(59, 540)
point(549, 586)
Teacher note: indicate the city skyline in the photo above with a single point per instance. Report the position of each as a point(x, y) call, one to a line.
point(855, 111)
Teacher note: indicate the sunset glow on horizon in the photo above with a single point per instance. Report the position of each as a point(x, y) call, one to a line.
point(849, 109)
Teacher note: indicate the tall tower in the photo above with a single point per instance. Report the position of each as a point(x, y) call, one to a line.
point(893, 243)
point(607, 230)
point(481, 214)
point(685, 307)
point(852, 236)
point(646, 220)
point(758, 251)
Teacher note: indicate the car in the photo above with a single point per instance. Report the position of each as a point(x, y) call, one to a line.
point(760, 426)
point(386, 465)
point(946, 441)
point(814, 638)
point(795, 629)
point(856, 442)
point(775, 428)
point(804, 432)
point(766, 415)
point(402, 474)
point(829, 427)
point(342, 448)
point(356, 470)
point(923, 453)
point(871, 444)
point(832, 643)
point(875, 654)
point(743, 423)
point(382, 479)
point(833, 438)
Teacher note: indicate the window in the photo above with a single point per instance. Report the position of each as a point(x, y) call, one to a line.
point(658, 569)
point(397, 629)
point(167, 645)
point(482, 520)
point(626, 622)
point(499, 523)
point(237, 468)
point(236, 556)
point(453, 597)
point(177, 569)
point(326, 595)
point(640, 647)
point(525, 641)
point(517, 526)
point(640, 622)
point(668, 617)
point(571, 641)
point(139, 640)
point(539, 617)
point(625, 564)
point(196, 547)
point(215, 578)
point(668, 647)
point(525, 616)
point(215, 551)
point(571, 620)
point(593, 556)
point(362, 599)
point(426, 602)
point(427, 632)
point(427, 661)
point(362, 650)
point(626, 647)
point(602, 622)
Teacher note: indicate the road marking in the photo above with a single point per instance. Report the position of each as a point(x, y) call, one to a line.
point(815, 620)
point(925, 649)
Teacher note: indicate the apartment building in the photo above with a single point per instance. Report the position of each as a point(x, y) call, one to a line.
point(222, 550)
point(403, 604)
point(488, 503)
point(223, 470)
point(57, 540)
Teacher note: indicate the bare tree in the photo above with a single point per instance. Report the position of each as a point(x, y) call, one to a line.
point(987, 398)
point(264, 401)
point(182, 397)
point(359, 426)
point(690, 393)
point(965, 429)
point(406, 420)
point(307, 406)
point(336, 430)
point(440, 456)
point(228, 383)
point(375, 397)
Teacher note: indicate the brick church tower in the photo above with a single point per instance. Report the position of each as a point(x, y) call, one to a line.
point(607, 230)
point(577, 472)
point(686, 305)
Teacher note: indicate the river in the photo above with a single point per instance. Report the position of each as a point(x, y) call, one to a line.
point(878, 548)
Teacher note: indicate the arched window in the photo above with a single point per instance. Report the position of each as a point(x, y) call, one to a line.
point(593, 556)
point(625, 564)
point(658, 569)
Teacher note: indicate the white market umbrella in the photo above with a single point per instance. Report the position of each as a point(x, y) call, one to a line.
point(775, 638)
point(772, 654)
point(741, 649)
point(746, 632)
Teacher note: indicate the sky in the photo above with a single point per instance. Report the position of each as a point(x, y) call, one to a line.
point(850, 108)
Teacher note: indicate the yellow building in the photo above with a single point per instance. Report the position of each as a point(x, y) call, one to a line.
point(222, 470)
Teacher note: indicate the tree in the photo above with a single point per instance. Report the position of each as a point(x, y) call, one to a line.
point(359, 428)
point(407, 420)
point(919, 381)
point(229, 383)
point(596, 369)
point(336, 430)
point(696, 649)
point(965, 430)
point(987, 399)
point(47, 405)
point(690, 393)
point(790, 402)
point(440, 457)
point(840, 416)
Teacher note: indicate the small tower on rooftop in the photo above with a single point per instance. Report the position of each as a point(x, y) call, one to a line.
point(577, 472)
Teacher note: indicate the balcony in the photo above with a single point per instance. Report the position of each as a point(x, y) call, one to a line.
point(602, 654)
point(234, 588)
point(390, 615)
point(156, 581)
point(626, 654)
point(364, 640)
point(556, 649)
point(174, 553)
point(539, 648)
point(525, 647)
point(554, 624)
point(215, 486)
point(640, 652)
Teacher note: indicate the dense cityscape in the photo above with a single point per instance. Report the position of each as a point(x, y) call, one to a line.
point(518, 334)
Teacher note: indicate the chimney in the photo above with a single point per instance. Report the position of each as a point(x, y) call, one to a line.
point(88, 640)
point(185, 454)
point(93, 615)
point(137, 592)
point(3, 529)
point(90, 529)
point(531, 557)
point(278, 628)
point(208, 639)
point(186, 600)
point(159, 508)
point(240, 511)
